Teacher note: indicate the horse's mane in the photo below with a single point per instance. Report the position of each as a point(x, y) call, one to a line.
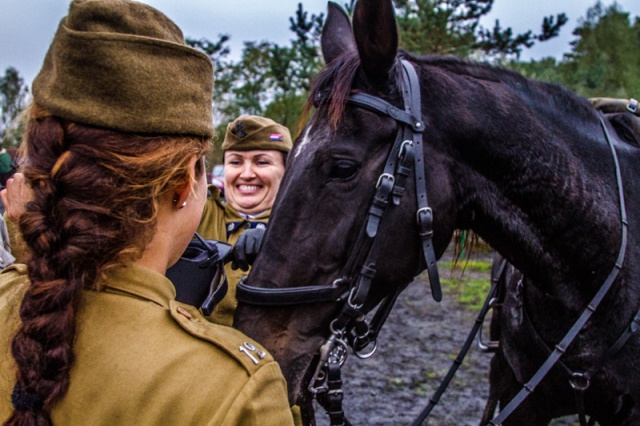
point(547, 96)
point(333, 85)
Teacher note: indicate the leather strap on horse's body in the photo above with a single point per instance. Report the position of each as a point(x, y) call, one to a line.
point(433, 401)
point(581, 381)
point(561, 347)
point(331, 399)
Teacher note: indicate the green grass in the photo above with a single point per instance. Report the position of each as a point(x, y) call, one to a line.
point(481, 266)
point(461, 278)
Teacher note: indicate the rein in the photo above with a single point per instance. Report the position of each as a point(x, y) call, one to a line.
point(350, 328)
point(580, 381)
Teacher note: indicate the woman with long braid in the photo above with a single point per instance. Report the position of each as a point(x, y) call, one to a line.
point(114, 180)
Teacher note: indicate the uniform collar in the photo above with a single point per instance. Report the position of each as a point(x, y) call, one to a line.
point(141, 282)
point(232, 215)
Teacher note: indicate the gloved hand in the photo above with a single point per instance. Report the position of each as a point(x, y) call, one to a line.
point(246, 249)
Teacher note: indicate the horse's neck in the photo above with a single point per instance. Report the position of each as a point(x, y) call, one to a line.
point(549, 205)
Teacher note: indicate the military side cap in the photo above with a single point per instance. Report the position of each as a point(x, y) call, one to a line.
point(123, 65)
point(250, 132)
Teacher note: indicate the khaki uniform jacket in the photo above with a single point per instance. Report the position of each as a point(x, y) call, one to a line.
point(144, 359)
point(217, 218)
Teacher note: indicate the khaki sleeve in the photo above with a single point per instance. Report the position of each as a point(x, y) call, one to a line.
point(297, 415)
point(263, 401)
point(212, 226)
point(19, 248)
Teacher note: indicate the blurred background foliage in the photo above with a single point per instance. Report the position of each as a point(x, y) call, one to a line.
point(272, 80)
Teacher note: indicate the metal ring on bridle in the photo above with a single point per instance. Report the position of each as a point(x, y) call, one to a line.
point(338, 353)
point(364, 355)
point(332, 328)
point(579, 381)
point(350, 299)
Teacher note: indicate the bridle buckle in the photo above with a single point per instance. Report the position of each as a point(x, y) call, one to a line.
point(424, 218)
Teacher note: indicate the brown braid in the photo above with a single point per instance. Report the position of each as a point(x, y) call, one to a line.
point(94, 207)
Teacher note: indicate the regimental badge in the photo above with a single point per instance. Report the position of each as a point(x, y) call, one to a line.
point(252, 352)
point(241, 132)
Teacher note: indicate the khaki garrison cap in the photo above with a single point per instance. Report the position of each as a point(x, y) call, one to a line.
point(250, 132)
point(123, 65)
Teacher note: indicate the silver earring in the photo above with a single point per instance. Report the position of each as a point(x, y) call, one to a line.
point(183, 205)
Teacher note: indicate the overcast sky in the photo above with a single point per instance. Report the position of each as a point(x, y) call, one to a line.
point(27, 26)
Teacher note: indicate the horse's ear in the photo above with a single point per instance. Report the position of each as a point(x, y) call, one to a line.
point(376, 34)
point(337, 36)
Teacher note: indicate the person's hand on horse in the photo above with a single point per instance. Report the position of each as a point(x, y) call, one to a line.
point(16, 196)
point(246, 249)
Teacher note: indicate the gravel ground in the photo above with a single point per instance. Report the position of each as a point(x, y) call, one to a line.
point(416, 347)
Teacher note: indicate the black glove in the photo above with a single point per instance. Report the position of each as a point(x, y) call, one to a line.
point(246, 249)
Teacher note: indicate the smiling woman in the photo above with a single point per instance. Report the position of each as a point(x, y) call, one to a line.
point(252, 179)
point(255, 150)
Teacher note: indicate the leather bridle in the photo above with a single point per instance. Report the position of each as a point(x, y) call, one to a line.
point(350, 328)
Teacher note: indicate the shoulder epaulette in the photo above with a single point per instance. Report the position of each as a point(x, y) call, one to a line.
point(240, 347)
point(20, 268)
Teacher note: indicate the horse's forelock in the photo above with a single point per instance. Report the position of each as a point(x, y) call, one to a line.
point(333, 86)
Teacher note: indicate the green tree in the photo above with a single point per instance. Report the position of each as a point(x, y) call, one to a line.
point(452, 27)
point(293, 67)
point(305, 47)
point(545, 69)
point(13, 97)
point(252, 73)
point(269, 79)
point(605, 56)
point(218, 51)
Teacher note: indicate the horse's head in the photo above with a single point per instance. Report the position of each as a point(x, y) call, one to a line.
point(315, 235)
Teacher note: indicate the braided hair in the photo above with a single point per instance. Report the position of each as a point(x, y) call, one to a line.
point(95, 203)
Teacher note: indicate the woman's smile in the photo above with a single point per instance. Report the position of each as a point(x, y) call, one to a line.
point(252, 179)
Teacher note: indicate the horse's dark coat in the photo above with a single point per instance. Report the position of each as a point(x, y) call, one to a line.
point(522, 163)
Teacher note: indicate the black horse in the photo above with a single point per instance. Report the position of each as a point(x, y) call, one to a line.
point(524, 164)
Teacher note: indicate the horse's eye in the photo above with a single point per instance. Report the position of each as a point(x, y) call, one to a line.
point(343, 170)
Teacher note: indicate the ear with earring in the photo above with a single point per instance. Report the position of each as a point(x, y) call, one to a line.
point(183, 205)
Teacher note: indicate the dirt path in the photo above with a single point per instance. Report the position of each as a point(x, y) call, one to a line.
point(416, 348)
